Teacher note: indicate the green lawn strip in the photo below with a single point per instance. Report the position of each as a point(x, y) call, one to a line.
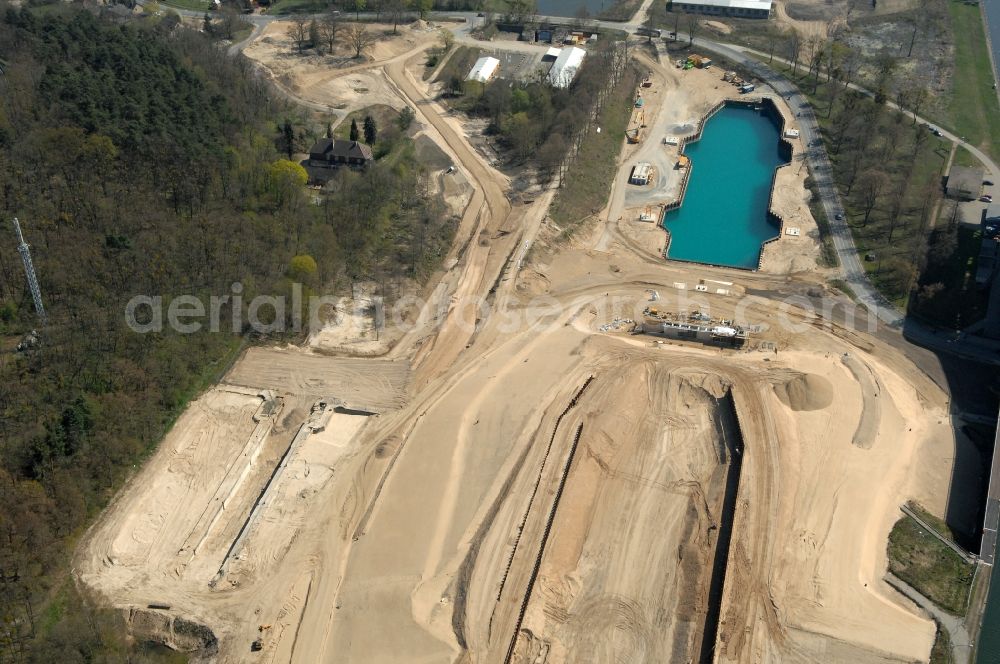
point(974, 107)
point(935, 522)
point(930, 566)
point(941, 651)
point(965, 158)
point(190, 5)
point(299, 7)
point(588, 181)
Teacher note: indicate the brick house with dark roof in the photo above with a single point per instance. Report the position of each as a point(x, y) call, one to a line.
point(328, 152)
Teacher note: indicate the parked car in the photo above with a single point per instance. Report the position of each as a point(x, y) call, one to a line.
point(986, 198)
point(937, 132)
point(838, 217)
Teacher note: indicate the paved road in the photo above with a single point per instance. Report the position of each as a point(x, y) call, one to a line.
point(961, 644)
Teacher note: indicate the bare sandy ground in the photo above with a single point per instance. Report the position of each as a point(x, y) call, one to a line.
point(532, 485)
point(336, 81)
point(358, 383)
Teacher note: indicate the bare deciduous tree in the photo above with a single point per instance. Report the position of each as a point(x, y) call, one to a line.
point(873, 184)
point(794, 47)
point(692, 27)
point(300, 32)
point(329, 29)
point(359, 38)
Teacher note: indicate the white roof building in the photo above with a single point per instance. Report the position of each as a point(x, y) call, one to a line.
point(484, 69)
point(745, 8)
point(642, 173)
point(565, 67)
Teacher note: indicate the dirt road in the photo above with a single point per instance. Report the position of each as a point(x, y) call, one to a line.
point(536, 477)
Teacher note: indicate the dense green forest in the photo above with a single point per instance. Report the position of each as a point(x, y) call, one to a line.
point(141, 159)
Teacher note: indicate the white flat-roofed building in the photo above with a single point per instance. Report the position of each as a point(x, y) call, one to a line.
point(642, 173)
point(739, 8)
point(484, 70)
point(565, 67)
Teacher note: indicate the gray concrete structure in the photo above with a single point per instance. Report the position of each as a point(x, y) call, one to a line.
point(964, 182)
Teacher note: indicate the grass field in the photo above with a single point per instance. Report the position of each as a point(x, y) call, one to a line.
point(975, 111)
point(927, 564)
point(622, 10)
point(191, 5)
point(298, 7)
point(965, 158)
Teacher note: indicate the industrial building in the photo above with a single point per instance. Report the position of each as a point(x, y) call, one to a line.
point(484, 70)
point(964, 183)
point(737, 8)
point(642, 173)
point(721, 335)
point(565, 67)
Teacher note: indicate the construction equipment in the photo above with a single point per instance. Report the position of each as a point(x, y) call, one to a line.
point(699, 61)
point(638, 121)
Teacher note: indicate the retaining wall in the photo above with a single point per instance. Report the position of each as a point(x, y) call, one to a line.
point(785, 149)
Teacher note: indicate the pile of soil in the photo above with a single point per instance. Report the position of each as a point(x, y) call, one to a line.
point(805, 392)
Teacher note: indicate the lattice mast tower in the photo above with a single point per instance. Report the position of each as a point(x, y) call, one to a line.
point(29, 271)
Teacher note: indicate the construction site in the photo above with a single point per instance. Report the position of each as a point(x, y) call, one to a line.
point(575, 451)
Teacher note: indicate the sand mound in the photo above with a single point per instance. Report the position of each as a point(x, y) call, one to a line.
point(805, 392)
point(419, 24)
